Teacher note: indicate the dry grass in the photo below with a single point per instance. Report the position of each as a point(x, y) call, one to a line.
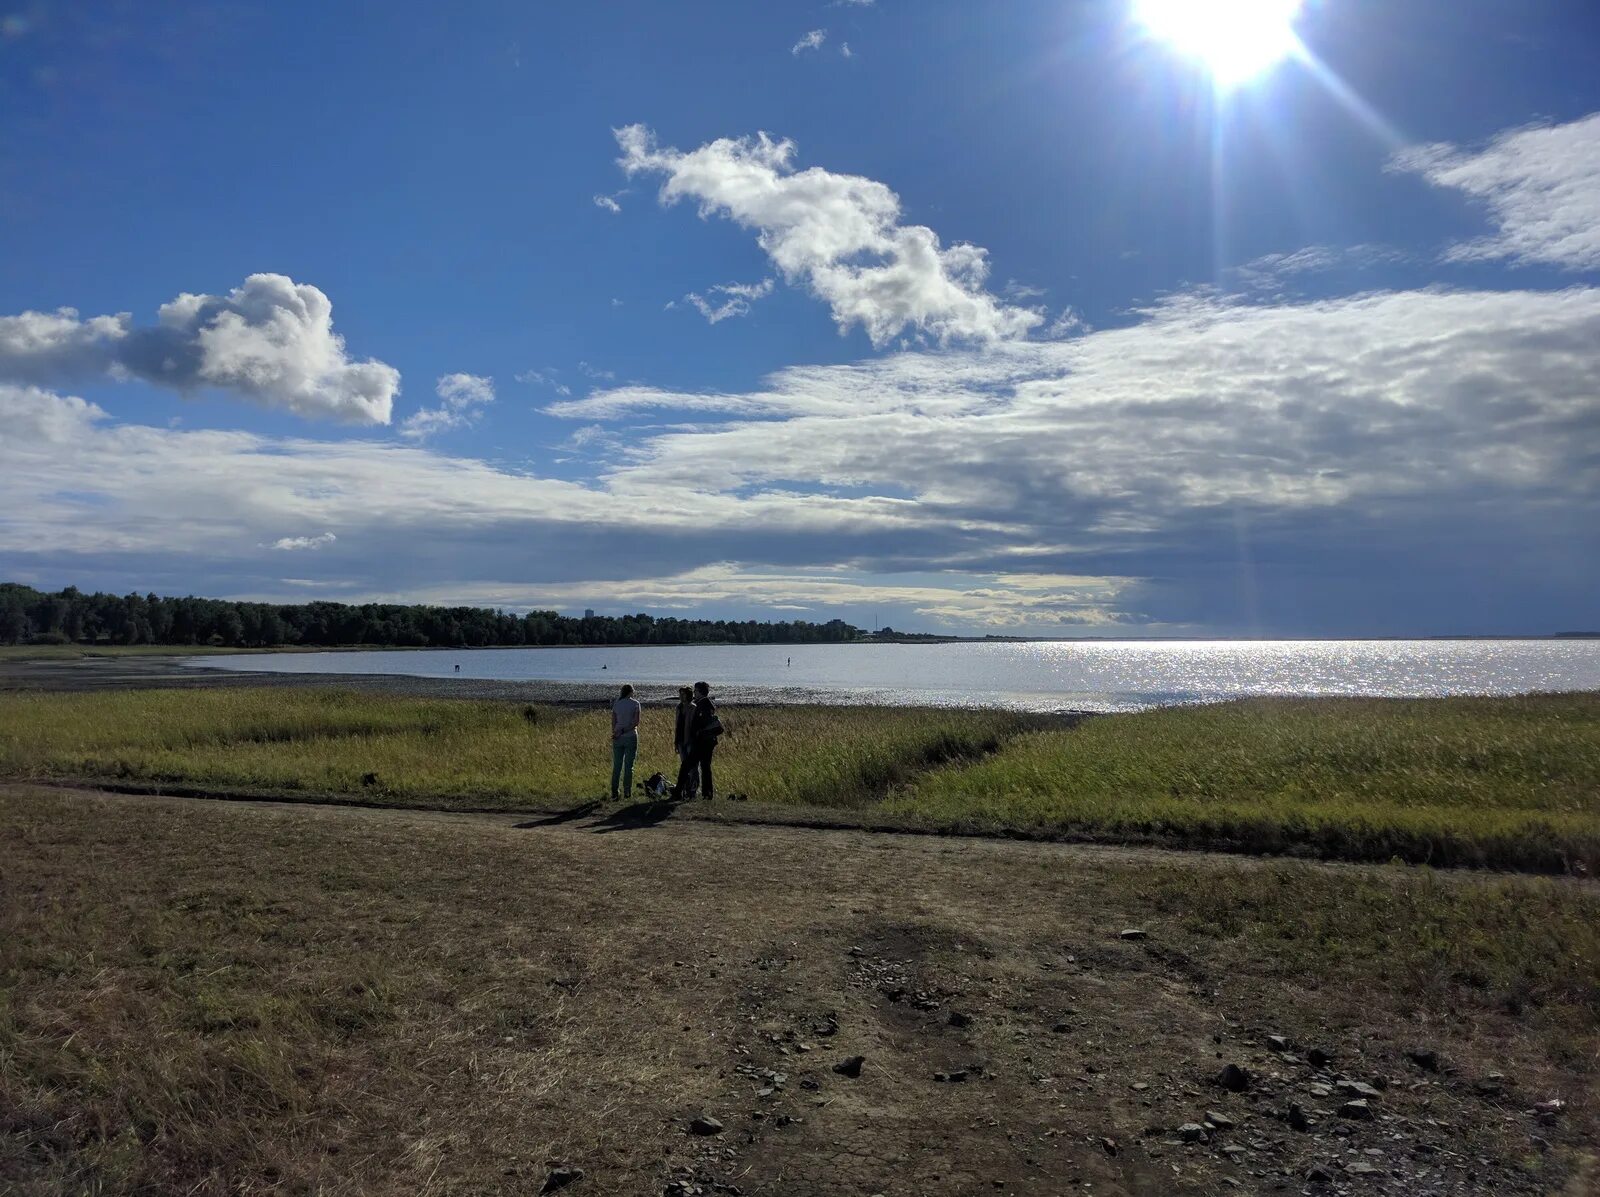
point(439, 751)
point(1505, 782)
point(220, 998)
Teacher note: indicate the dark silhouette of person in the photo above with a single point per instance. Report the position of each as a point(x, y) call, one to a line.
point(705, 729)
point(683, 745)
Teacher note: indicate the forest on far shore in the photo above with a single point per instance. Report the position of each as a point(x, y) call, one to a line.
point(29, 616)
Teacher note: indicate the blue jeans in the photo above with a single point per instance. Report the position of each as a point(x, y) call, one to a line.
point(623, 749)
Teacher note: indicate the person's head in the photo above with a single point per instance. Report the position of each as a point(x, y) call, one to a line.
point(685, 693)
point(701, 690)
point(627, 691)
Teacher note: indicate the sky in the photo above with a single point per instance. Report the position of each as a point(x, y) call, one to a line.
point(959, 316)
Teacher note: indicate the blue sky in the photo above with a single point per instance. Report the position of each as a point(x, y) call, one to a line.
point(996, 316)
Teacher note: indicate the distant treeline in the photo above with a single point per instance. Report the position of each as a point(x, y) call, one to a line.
point(29, 616)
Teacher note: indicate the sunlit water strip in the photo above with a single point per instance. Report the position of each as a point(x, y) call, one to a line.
point(1037, 676)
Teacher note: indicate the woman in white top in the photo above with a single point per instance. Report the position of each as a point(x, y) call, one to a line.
point(625, 715)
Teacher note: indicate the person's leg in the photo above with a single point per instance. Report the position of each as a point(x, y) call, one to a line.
point(616, 765)
point(686, 774)
point(630, 749)
point(704, 756)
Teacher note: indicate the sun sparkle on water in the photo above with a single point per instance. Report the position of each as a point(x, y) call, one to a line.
point(1234, 39)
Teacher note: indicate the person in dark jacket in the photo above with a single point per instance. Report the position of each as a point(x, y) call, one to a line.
point(705, 728)
point(682, 745)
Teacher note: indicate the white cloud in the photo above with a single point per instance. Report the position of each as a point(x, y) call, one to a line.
point(811, 41)
point(463, 394)
point(736, 299)
point(269, 340)
point(840, 235)
point(608, 203)
point(544, 378)
point(845, 51)
point(1542, 186)
point(290, 544)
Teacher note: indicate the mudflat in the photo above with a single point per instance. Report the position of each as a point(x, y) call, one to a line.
point(219, 997)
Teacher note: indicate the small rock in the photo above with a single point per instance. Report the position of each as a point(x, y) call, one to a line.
point(560, 1178)
point(1554, 1106)
point(958, 1019)
point(1362, 1168)
point(1319, 1058)
point(1296, 1118)
point(1357, 1109)
point(1219, 1120)
point(1139, 1086)
point(1108, 1145)
point(1134, 933)
point(1278, 1043)
point(1233, 1078)
point(1234, 1152)
point(1318, 1175)
point(1319, 1091)
point(850, 1066)
point(706, 1125)
point(1357, 1089)
point(1191, 1132)
point(826, 1028)
point(1060, 1028)
point(767, 1092)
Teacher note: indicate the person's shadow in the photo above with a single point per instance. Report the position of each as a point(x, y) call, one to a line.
point(582, 811)
point(637, 816)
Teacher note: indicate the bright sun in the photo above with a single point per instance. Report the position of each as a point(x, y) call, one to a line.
point(1235, 39)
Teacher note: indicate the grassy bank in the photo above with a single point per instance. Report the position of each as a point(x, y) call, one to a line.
point(203, 999)
point(1512, 783)
point(490, 754)
point(1507, 782)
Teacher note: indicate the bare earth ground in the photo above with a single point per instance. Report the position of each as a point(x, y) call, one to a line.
point(222, 997)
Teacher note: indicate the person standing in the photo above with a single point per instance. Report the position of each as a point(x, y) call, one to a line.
point(625, 716)
point(682, 744)
point(705, 729)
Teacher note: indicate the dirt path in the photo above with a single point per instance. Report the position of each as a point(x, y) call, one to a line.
point(611, 980)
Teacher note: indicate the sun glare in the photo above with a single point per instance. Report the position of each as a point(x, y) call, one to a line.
point(1235, 39)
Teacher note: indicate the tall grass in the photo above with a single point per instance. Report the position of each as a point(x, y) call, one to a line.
point(1498, 781)
point(417, 750)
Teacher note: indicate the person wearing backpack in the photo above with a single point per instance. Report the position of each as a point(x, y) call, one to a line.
point(683, 745)
point(705, 729)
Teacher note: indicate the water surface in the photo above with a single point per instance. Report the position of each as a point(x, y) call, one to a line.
point(1115, 675)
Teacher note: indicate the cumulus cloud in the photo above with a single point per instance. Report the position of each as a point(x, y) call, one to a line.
point(464, 396)
point(269, 340)
point(735, 299)
point(811, 41)
point(1542, 187)
point(607, 202)
point(840, 235)
point(290, 544)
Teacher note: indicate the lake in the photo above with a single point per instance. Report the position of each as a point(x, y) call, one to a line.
point(1113, 675)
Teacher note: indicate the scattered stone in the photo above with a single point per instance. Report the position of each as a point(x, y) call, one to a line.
point(1318, 1175)
point(561, 1177)
point(1233, 1078)
point(1060, 1028)
point(958, 1019)
point(829, 1026)
point(955, 1077)
point(1234, 1152)
point(1319, 1058)
point(1133, 933)
point(1357, 1109)
point(1219, 1120)
point(706, 1125)
point(1139, 1086)
point(767, 1092)
point(1278, 1043)
point(1357, 1089)
point(1108, 1145)
point(1191, 1132)
point(850, 1066)
point(1362, 1168)
point(1320, 1091)
point(1554, 1106)
point(1296, 1118)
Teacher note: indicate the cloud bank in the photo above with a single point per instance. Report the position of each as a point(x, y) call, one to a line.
point(269, 340)
point(464, 396)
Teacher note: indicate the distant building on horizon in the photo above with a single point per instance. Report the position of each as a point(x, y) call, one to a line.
point(588, 612)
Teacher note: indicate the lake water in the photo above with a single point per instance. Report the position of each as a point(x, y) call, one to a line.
point(1113, 675)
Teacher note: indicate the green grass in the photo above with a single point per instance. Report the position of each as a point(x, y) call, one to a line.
point(494, 754)
point(1510, 782)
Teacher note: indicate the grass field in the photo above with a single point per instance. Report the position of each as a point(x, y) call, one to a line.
point(1504, 782)
point(491, 754)
point(1510, 782)
point(206, 999)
